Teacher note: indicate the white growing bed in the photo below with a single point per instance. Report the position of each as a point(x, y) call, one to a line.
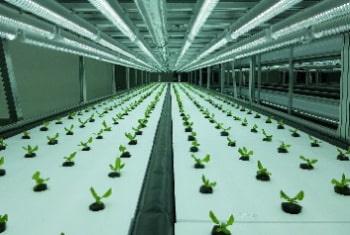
point(64, 206)
point(255, 204)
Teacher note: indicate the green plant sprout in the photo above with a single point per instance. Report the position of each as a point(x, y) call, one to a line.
point(269, 119)
point(206, 113)
point(229, 113)
point(40, 182)
point(254, 128)
point(308, 162)
point(257, 115)
point(106, 127)
point(2, 144)
point(188, 127)
point(26, 135)
point(280, 124)
point(59, 120)
point(192, 136)
point(69, 130)
point(131, 138)
point(262, 170)
point(219, 125)
point(315, 142)
point(283, 148)
point(245, 154)
point(199, 162)
point(212, 118)
point(85, 145)
point(236, 118)
point(45, 126)
point(80, 113)
point(342, 154)
point(82, 123)
point(221, 228)
point(194, 146)
point(30, 151)
point(99, 134)
point(294, 132)
point(53, 140)
point(294, 199)
point(115, 120)
point(2, 162)
point(186, 118)
point(250, 111)
point(116, 168)
point(69, 159)
point(142, 122)
point(91, 118)
point(207, 184)
point(98, 204)
point(343, 183)
point(120, 116)
point(3, 218)
point(267, 137)
point(231, 142)
point(100, 114)
point(137, 130)
point(245, 122)
point(71, 115)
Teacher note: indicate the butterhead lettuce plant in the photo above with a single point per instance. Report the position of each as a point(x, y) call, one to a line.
point(40, 182)
point(291, 205)
point(30, 151)
point(116, 168)
point(199, 162)
point(69, 160)
point(342, 186)
point(98, 204)
point(207, 186)
point(3, 221)
point(2, 162)
point(220, 228)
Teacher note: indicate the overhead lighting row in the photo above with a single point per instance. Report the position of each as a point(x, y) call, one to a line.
point(325, 19)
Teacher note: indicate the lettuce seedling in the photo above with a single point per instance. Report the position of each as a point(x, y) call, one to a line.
point(212, 118)
point(192, 136)
point(269, 119)
point(219, 125)
point(142, 122)
point(194, 147)
point(116, 168)
point(3, 220)
point(40, 182)
point(342, 186)
point(71, 115)
point(120, 116)
point(188, 127)
point(186, 118)
point(280, 124)
point(80, 113)
point(30, 151)
point(262, 174)
point(254, 129)
point(230, 142)
point(291, 205)
point(245, 154)
point(236, 118)
point(245, 122)
point(82, 123)
point(59, 120)
point(99, 134)
point(250, 112)
point(228, 113)
point(26, 135)
point(91, 118)
point(342, 154)
point(69, 130)
point(131, 138)
point(85, 145)
point(69, 160)
point(100, 114)
point(294, 132)
point(207, 186)
point(137, 130)
point(257, 115)
point(2, 162)
point(199, 162)
point(2, 144)
point(115, 120)
point(53, 140)
point(315, 142)
point(206, 113)
point(106, 127)
point(221, 228)
point(124, 153)
point(45, 126)
point(283, 148)
point(98, 204)
point(224, 131)
point(267, 137)
point(309, 163)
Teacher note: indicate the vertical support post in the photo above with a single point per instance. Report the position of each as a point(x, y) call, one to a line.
point(82, 80)
point(208, 77)
point(159, 78)
point(234, 85)
point(135, 78)
point(344, 114)
point(9, 82)
point(178, 77)
point(114, 88)
point(127, 78)
point(200, 77)
point(317, 79)
point(222, 78)
point(291, 82)
point(252, 65)
point(259, 79)
point(240, 82)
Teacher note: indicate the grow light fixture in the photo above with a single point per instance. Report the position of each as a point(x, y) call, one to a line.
point(205, 10)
